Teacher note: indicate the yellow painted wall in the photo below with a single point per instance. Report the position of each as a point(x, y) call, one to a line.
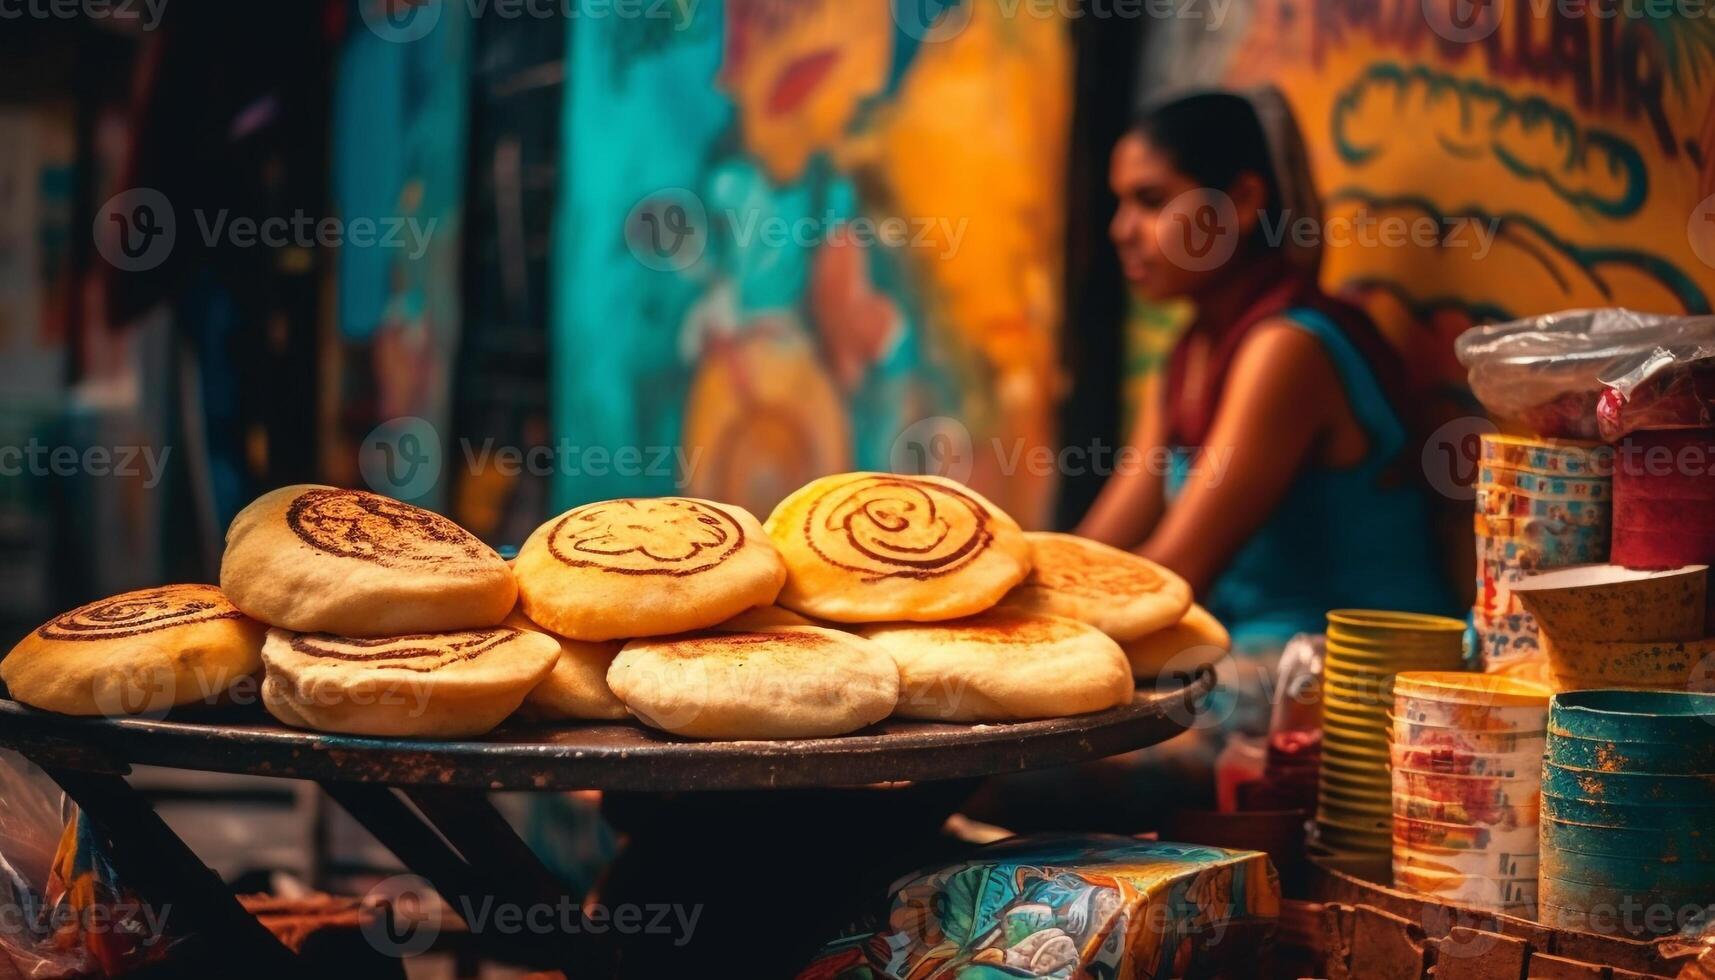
point(1585, 144)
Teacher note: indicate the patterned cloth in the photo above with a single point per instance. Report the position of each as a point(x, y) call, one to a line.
point(1062, 907)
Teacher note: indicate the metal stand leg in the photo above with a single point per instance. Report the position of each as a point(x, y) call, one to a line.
point(472, 857)
point(470, 823)
point(169, 876)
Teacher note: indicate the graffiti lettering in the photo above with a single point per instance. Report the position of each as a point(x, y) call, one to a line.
point(1606, 50)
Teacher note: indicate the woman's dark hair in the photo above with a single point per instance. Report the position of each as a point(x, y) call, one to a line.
point(1212, 137)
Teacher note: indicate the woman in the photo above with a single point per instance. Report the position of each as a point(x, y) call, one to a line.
point(1294, 484)
point(1294, 487)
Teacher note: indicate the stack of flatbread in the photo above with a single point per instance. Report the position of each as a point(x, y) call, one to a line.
point(864, 596)
point(387, 619)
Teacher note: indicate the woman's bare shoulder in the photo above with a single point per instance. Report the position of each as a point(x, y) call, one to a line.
point(1282, 357)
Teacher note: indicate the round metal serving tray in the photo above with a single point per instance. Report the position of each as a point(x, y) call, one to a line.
point(611, 756)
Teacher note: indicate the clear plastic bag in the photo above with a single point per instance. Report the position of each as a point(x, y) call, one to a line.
point(1670, 390)
point(31, 825)
point(1293, 752)
point(1549, 374)
point(63, 910)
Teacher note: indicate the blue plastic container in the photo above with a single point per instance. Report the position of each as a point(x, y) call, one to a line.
point(1604, 755)
point(1634, 905)
point(1676, 717)
point(1627, 842)
point(1627, 788)
point(1681, 820)
point(1630, 874)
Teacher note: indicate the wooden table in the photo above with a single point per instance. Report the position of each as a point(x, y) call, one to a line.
point(426, 800)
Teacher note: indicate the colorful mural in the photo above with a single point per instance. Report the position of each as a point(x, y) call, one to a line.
point(399, 123)
point(790, 232)
point(1559, 151)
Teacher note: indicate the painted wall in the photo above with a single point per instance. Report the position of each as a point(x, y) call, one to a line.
point(400, 144)
point(798, 238)
point(1560, 156)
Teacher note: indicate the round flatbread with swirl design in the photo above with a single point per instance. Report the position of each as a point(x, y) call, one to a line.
point(319, 559)
point(1004, 666)
point(874, 547)
point(1123, 595)
point(645, 567)
point(443, 685)
point(136, 653)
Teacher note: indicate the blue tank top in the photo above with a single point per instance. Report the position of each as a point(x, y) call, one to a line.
point(1338, 539)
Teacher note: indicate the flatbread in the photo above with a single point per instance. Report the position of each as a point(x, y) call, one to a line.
point(1004, 666)
point(873, 547)
point(318, 559)
point(775, 683)
point(646, 567)
point(136, 653)
point(1123, 595)
point(763, 617)
point(577, 688)
point(1198, 639)
point(430, 685)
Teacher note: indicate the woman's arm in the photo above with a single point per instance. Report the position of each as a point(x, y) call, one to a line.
point(1131, 500)
point(1281, 396)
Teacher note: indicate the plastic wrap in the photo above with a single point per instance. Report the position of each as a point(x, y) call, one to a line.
point(1670, 390)
point(1550, 374)
point(30, 827)
point(66, 913)
point(1294, 752)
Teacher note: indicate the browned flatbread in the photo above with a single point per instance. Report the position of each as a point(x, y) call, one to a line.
point(136, 653)
point(764, 617)
point(1004, 666)
point(577, 687)
point(774, 683)
point(319, 559)
point(646, 567)
point(1123, 595)
point(1196, 640)
point(874, 547)
point(425, 685)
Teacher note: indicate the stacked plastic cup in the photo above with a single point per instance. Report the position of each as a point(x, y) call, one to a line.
point(1628, 811)
point(1541, 504)
point(1366, 649)
point(1466, 759)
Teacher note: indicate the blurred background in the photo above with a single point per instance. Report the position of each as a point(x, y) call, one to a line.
point(500, 257)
